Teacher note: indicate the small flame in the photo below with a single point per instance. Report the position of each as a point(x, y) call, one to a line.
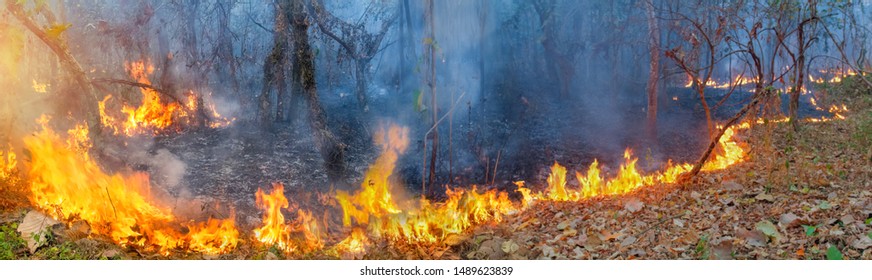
point(40, 87)
point(8, 164)
point(354, 246)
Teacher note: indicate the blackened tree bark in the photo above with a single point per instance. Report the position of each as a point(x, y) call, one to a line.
point(559, 54)
point(431, 52)
point(332, 150)
point(273, 67)
point(654, 72)
point(224, 49)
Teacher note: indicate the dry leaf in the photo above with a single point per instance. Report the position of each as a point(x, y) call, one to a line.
point(509, 246)
point(33, 229)
point(765, 197)
point(628, 241)
point(862, 243)
point(633, 205)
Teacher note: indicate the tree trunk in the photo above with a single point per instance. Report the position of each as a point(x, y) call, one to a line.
point(360, 66)
point(68, 62)
point(433, 104)
point(800, 65)
point(332, 150)
point(225, 49)
point(654, 72)
point(482, 43)
point(705, 107)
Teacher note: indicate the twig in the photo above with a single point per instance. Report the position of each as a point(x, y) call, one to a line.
point(716, 139)
point(140, 85)
point(110, 202)
point(496, 165)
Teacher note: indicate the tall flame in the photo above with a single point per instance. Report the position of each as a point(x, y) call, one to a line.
point(274, 230)
point(69, 185)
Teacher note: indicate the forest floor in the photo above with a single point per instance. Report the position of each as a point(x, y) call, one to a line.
point(805, 195)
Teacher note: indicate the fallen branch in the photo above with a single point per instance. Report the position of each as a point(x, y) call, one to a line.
point(714, 142)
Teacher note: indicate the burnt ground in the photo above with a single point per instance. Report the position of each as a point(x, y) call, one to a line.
point(223, 168)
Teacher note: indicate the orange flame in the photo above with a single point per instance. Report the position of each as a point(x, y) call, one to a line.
point(154, 115)
point(374, 204)
point(276, 233)
point(8, 164)
point(69, 185)
point(353, 246)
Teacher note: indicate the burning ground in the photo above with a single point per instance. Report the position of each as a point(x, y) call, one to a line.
point(758, 199)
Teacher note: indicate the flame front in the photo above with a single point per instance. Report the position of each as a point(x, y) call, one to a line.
point(69, 185)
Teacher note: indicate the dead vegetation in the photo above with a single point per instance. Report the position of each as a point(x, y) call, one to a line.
point(805, 195)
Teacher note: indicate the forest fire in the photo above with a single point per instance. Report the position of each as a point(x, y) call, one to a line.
point(836, 76)
point(301, 235)
point(376, 207)
point(155, 115)
point(68, 185)
point(299, 129)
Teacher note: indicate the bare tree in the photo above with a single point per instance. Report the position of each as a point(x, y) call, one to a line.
point(355, 40)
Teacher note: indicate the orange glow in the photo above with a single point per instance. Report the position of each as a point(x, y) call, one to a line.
point(155, 115)
point(735, 82)
point(40, 87)
point(275, 232)
point(8, 164)
point(354, 246)
point(836, 75)
point(68, 185)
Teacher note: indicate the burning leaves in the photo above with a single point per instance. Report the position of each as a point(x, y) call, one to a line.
point(69, 185)
point(374, 205)
point(155, 115)
point(301, 235)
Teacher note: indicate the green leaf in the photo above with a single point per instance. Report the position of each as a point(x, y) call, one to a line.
point(419, 101)
point(833, 253)
point(868, 221)
point(809, 230)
